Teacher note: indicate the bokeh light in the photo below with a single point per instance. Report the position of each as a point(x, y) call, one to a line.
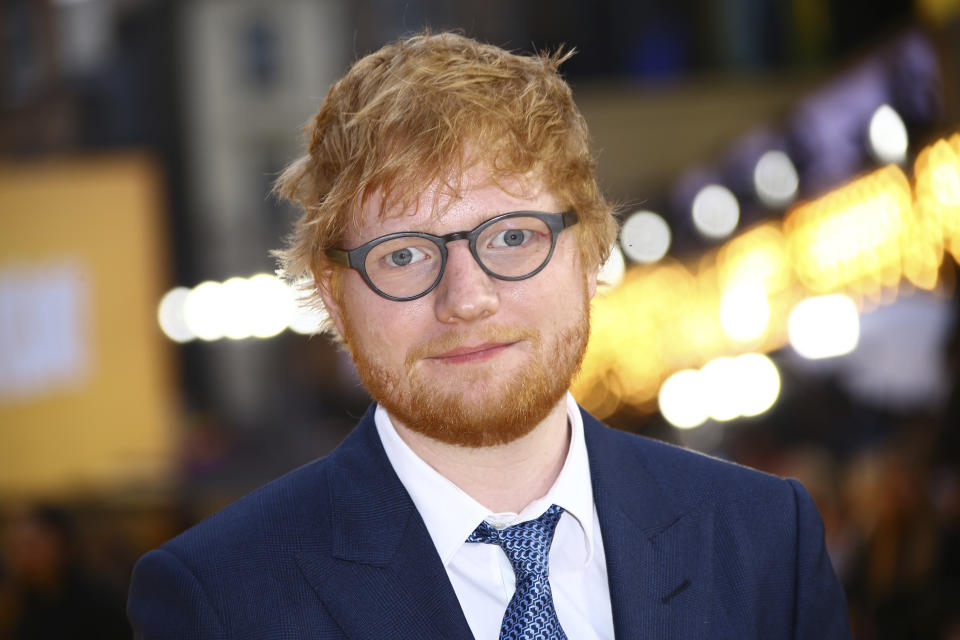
point(864, 240)
point(775, 179)
point(261, 306)
point(645, 237)
point(235, 309)
point(744, 312)
point(852, 238)
point(944, 179)
point(682, 401)
point(759, 383)
point(725, 388)
point(274, 308)
point(824, 326)
point(715, 211)
point(170, 315)
point(306, 320)
point(721, 388)
point(938, 198)
point(203, 311)
point(756, 257)
point(887, 136)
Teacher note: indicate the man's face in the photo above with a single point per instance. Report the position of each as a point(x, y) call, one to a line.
point(477, 361)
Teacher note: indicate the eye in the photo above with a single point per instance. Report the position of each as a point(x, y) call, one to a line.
point(404, 257)
point(511, 238)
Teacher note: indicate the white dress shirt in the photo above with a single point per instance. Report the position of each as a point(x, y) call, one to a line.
point(481, 574)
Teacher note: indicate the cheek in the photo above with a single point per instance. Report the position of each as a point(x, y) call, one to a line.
point(389, 328)
point(558, 286)
point(544, 300)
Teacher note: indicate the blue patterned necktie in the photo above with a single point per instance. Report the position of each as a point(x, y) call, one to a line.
point(530, 614)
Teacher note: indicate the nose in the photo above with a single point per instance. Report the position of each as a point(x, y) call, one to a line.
point(466, 293)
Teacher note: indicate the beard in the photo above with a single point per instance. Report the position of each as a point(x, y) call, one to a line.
point(484, 406)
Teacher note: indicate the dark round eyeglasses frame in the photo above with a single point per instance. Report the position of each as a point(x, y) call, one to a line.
point(356, 258)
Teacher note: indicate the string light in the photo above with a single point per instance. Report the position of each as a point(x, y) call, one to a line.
point(724, 389)
point(261, 306)
point(771, 285)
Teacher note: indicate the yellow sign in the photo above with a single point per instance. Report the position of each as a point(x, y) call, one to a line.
point(85, 377)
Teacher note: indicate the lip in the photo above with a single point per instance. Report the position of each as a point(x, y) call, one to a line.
point(472, 353)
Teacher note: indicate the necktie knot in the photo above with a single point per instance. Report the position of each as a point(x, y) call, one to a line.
point(527, 544)
point(531, 613)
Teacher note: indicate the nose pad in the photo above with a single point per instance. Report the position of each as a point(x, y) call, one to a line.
point(465, 292)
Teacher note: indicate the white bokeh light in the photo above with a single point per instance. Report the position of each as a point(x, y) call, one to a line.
point(274, 305)
point(203, 310)
point(721, 389)
point(744, 313)
point(824, 327)
point(759, 382)
point(306, 319)
point(236, 308)
point(725, 388)
point(645, 237)
point(170, 315)
point(715, 211)
point(888, 136)
point(309, 315)
point(775, 179)
point(261, 306)
point(682, 400)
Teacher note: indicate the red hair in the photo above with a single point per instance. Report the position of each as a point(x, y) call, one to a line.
point(420, 111)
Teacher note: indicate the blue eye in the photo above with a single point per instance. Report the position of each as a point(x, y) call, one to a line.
point(511, 238)
point(404, 257)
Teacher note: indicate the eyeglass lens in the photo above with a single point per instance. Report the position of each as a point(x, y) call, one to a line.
point(409, 265)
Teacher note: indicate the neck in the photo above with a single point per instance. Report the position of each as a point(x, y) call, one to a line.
point(506, 477)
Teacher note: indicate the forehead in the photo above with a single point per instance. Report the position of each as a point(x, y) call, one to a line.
point(443, 207)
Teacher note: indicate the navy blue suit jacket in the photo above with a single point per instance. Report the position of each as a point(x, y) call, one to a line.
point(695, 548)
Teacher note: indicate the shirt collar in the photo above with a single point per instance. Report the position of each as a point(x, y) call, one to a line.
point(451, 515)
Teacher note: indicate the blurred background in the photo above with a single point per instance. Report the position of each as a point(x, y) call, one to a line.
point(784, 292)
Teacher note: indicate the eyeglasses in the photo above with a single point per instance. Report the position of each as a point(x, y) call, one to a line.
point(409, 265)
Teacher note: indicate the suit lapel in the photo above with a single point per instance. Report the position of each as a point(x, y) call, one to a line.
point(649, 539)
point(381, 576)
point(376, 544)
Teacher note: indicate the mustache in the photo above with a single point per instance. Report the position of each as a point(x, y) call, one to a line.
point(454, 339)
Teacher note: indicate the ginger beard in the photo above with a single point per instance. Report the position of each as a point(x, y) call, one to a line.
point(482, 406)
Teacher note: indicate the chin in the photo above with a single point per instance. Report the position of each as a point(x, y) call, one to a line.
point(480, 404)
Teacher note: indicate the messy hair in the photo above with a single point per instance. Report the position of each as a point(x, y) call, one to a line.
point(420, 112)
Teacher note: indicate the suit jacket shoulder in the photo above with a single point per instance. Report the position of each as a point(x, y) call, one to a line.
point(682, 478)
point(215, 579)
point(334, 549)
point(724, 550)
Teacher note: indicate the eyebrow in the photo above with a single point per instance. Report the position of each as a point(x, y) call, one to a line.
point(464, 231)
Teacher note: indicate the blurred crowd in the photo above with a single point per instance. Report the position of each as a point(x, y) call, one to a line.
point(891, 514)
point(48, 586)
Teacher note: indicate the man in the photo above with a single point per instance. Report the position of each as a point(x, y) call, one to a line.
point(453, 229)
